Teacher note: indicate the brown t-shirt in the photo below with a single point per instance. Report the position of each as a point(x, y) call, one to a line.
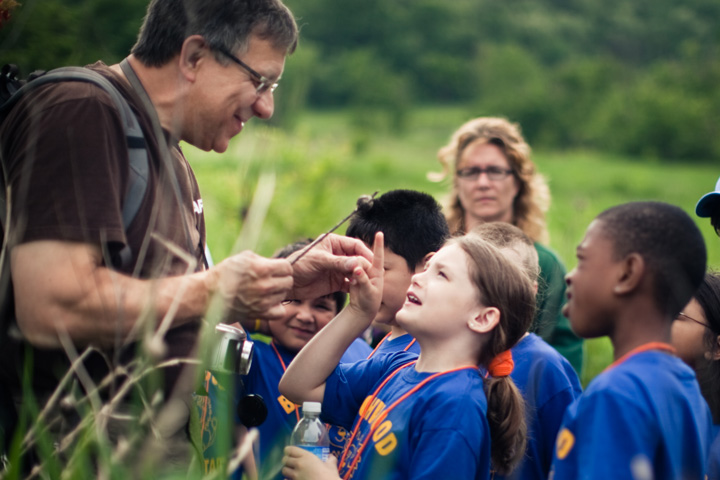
point(67, 165)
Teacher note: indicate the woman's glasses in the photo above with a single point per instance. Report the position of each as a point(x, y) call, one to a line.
point(494, 174)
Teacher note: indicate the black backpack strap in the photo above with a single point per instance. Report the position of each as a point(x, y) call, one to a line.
point(139, 166)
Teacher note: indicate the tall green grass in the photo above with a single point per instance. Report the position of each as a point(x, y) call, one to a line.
point(324, 164)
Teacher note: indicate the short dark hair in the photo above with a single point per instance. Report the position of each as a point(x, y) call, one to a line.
point(715, 222)
point(669, 242)
point(412, 222)
point(287, 250)
point(708, 373)
point(225, 24)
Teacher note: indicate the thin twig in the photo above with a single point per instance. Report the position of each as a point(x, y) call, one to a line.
point(360, 201)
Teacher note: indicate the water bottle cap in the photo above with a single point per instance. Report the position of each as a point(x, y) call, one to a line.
point(312, 407)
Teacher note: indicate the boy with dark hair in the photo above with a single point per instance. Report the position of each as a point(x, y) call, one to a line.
point(546, 379)
point(304, 318)
point(644, 416)
point(414, 227)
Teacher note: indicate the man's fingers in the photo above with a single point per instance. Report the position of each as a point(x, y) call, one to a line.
point(347, 246)
point(276, 312)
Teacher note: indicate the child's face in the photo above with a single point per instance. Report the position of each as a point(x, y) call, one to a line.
point(396, 280)
point(442, 298)
point(590, 285)
point(688, 335)
point(303, 319)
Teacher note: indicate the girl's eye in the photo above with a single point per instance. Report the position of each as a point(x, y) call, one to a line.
point(323, 306)
point(440, 273)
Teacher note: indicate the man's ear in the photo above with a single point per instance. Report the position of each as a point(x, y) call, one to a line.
point(193, 51)
point(485, 321)
point(631, 273)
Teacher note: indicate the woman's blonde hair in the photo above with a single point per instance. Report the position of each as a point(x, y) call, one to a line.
point(533, 198)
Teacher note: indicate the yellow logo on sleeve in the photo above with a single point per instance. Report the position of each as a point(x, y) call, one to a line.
point(564, 444)
point(286, 404)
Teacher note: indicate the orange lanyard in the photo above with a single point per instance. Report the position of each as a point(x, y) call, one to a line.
point(272, 344)
point(383, 341)
point(662, 346)
point(382, 416)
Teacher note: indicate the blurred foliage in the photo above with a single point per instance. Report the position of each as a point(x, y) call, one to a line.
point(320, 175)
point(631, 77)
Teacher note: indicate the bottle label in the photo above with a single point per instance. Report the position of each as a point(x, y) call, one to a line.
point(320, 452)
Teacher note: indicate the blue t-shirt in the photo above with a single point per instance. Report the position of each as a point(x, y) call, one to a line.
point(402, 343)
point(262, 379)
point(439, 431)
point(713, 472)
point(358, 350)
point(548, 384)
point(642, 418)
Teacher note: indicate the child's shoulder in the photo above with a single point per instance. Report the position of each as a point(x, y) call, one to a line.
point(535, 359)
point(533, 347)
point(646, 376)
point(451, 388)
point(457, 397)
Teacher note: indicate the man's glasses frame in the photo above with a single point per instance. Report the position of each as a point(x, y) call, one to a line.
point(495, 174)
point(264, 84)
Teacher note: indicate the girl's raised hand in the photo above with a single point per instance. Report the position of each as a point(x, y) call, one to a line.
point(366, 284)
point(299, 464)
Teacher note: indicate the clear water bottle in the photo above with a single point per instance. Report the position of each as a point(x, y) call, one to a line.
point(310, 433)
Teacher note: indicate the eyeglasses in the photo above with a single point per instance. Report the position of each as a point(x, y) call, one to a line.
point(264, 84)
point(495, 174)
point(681, 314)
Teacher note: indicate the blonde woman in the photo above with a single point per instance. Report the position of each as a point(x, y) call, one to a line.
point(493, 179)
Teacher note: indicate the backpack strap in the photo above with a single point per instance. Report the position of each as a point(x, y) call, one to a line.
point(139, 166)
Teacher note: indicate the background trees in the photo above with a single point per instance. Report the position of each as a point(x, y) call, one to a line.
point(635, 77)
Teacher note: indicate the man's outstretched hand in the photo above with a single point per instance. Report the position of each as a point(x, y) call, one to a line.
point(326, 267)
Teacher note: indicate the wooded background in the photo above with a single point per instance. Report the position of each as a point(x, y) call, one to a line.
point(638, 77)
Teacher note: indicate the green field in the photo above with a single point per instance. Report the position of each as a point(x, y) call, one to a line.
point(300, 183)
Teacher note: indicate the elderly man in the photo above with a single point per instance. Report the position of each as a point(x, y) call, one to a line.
point(199, 71)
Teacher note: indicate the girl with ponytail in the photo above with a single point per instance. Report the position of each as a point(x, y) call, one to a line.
point(436, 415)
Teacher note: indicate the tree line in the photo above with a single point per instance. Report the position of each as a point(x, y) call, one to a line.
point(637, 77)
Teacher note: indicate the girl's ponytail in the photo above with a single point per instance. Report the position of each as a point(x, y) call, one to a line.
point(502, 284)
point(506, 417)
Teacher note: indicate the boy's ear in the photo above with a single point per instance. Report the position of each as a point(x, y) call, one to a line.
point(485, 321)
point(632, 271)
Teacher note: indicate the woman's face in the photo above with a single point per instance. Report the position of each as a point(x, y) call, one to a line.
point(484, 199)
point(688, 335)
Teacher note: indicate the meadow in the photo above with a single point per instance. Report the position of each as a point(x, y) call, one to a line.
point(274, 186)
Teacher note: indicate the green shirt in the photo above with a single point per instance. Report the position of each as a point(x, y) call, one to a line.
point(549, 322)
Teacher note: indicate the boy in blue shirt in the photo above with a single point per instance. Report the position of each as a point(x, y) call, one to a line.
point(414, 227)
point(303, 319)
point(644, 416)
point(545, 378)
